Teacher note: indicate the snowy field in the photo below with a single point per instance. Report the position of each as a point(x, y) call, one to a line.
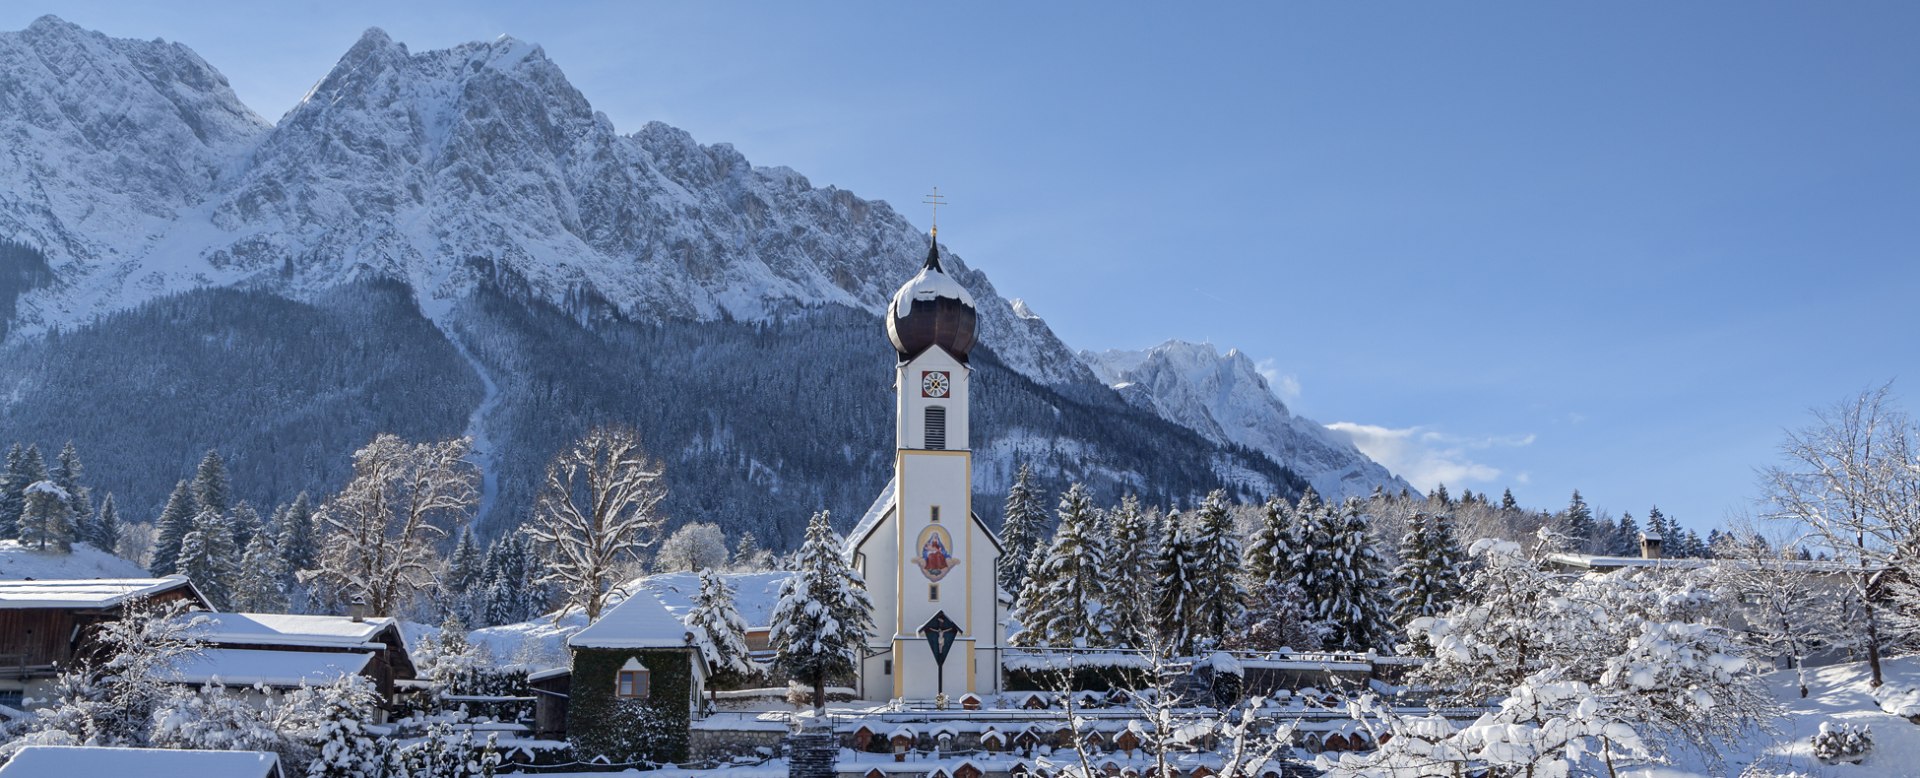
point(18, 563)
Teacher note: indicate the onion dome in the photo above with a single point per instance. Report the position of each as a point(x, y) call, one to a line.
point(932, 309)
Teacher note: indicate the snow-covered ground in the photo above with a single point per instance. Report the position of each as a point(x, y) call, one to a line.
point(19, 563)
point(1837, 693)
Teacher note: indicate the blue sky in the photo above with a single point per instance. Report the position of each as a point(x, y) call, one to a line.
point(1615, 247)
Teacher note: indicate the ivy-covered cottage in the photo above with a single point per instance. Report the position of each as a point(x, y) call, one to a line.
point(638, 676)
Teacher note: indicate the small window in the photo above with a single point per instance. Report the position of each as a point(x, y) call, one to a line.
point(936, 427)
point(886, 667)
point(633, 683)
point(935, 513)
point(933, 592)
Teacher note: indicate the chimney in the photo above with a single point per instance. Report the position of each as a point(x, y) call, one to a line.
point(358, 609)
point(1649, 545)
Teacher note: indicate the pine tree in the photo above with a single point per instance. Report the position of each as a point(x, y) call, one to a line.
point(1345, 582)
point(821, 622)
point(211, 490)
point(260, 583)
point(464, 567)
point(1177, 601)
point(1578, 524)
point(13, 492)
point(1627, 542)
point(209, 559)
point(1021, 532)
point(509, 595)
point(47, 521)
point(175, 521)
point(246, 523)
point(70, 475)
point(1439, 497)
point(717, 621)
point(25, 470)
point(106, 527)
point(1133, 559)
point(1220, 600)
point(1507, 503)
point(1432, 566)
point(1657, 524)
point(1065, 603)
point(1270, 555)
point(295, 524)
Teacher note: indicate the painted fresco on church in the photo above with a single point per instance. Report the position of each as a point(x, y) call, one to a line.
point(936, 553)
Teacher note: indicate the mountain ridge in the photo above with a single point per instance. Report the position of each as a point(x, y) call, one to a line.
point(479, 170)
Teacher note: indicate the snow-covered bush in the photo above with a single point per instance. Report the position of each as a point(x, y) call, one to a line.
point(1843, 742)
point(109, 696)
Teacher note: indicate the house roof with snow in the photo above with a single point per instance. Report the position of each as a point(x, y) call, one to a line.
point(88, 593)
point(1606, 563)
point(754, 594)
point(247, 667)
point(282, 629)
point(38, 761)
point(640, 621)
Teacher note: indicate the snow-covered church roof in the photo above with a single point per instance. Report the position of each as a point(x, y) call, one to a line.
point(640, 621)
point(874, 515)
point(34, 761)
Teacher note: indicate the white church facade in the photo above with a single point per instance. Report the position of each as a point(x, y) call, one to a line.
point(929, 562)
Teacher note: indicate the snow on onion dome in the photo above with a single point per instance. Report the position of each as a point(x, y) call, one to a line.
point(931, 309)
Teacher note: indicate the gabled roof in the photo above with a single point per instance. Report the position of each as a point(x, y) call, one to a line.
point(640, 621)
point(280, 629)
point(87, 593)
point(37, 761)
point(876, 513)
point(237, 667)
point(754, 594)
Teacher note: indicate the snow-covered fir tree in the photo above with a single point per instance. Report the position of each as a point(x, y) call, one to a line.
point(13, 492)
point(1065, 601)
point(106, 526)
point(246, 523)
point(1507, 503)
point(1219, 598)
point(175, 521)
point(749, 557)
point(1627, 541)
point(599, 508)
point(1430, 577)
point(1276, 615)
point(294, 522)
point(718, 623)
point(381, 531)
point(821, 621)
point(464, 575)
point(1133, 556)
point(260, 583)
point(70, 474)
point(211, 488)
point(1176, 604)
point(209, 558)
point(25, 467)
point(1345, 580)
point(508, 594)
point(47, 523)
point(1577, 523)
point(1022, 532)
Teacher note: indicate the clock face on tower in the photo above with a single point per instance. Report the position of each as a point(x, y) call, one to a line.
point(934, 383)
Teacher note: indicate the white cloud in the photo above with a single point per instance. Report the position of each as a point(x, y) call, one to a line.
point(1287, 386)
point(1427, 457)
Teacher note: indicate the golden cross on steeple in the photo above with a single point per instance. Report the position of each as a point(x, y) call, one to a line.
point(936, 200)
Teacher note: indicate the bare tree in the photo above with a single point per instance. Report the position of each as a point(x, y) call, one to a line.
point(382, 529)
point(596, 513)
point(1852, 480)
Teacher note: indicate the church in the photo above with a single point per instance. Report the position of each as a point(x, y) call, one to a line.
point(928, 559)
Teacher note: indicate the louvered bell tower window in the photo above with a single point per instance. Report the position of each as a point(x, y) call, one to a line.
point(936, 427)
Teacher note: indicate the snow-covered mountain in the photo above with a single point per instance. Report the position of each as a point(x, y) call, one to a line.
point(493, 258)
point(1226, 399)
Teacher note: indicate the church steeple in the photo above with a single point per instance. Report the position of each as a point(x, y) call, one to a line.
point(931, 309)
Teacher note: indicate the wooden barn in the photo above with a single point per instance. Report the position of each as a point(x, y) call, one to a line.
point(49, 623)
